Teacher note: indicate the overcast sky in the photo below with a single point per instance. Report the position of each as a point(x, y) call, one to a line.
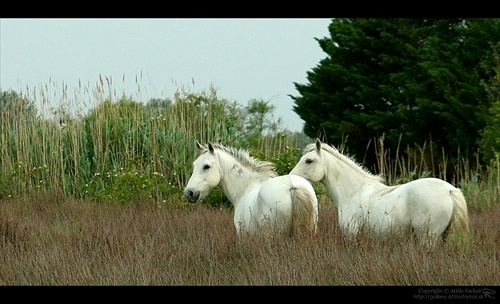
point(242, 59)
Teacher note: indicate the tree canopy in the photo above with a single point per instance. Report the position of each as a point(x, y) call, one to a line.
point(410, 81)
point(14, 108)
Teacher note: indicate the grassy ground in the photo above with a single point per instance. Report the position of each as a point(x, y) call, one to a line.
point(50, 240)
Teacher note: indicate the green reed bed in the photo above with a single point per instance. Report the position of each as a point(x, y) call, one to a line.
point(119, 148)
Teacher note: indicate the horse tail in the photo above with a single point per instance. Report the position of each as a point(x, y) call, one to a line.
point(304, 209)
point(460, 217)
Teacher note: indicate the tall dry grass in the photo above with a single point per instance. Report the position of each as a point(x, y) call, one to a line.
point(58, 241)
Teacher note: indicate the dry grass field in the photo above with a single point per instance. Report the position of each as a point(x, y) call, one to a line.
point(50, 240)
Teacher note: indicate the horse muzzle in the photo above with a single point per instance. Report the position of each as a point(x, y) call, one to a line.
point(191, 195)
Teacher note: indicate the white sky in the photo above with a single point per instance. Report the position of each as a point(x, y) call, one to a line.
point(242, 59)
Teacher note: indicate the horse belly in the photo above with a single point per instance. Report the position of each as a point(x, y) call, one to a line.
point(376, 215)
point(394, 222)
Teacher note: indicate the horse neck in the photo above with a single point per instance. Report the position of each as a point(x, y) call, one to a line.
point(342, 180)
point(237, 180)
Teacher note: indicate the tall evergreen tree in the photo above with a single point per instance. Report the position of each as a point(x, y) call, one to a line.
point(490, 135)
point(410, 80)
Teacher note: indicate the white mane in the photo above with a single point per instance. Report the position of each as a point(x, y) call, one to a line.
point(244, 158)
point(263, 201)
point(345, 159)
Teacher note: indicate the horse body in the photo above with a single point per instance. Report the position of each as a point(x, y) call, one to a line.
point(405, 207)
point(427, 207)
point(262, 200)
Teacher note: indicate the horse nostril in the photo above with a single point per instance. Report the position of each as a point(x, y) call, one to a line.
point(191, 195)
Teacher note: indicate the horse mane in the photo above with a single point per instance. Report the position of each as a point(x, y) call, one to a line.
point(244, 158)
point(348, 160)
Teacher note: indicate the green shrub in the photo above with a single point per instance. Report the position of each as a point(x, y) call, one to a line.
point(129, 184)
point(287, 160)
point(23, 179)
point(284, 161)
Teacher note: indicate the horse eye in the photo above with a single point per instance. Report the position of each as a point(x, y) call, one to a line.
point(309, 161)
point(206, 167)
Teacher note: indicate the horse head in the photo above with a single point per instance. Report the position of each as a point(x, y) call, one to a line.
point(311, 164)
point(206, 174)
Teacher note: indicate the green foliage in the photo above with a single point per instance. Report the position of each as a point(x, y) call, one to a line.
point(259, 116)
point(132, 183)
point(217, 199)
point(284, 161)
point(125, 151)
point(490, 135)
point(163, 131)
point(117, 129)
point(474, 192)
point(413, 175)
point(257, 121)
point(409, 80)
point(102, 155)
point(24, 179)
point(15, 108)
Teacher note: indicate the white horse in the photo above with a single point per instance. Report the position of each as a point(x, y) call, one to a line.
point(427, 207)
point(263, 202)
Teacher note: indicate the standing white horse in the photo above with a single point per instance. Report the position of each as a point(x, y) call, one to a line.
point(427, 207)
point(263, 202)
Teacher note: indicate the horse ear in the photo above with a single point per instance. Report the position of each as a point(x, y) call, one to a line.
point(199, 146)
point(318, 144)
point(211, 148)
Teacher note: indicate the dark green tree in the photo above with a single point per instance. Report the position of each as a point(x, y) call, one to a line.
point(490, 135)
point(412, 81)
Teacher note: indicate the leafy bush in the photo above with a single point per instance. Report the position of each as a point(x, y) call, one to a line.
point(23, 179)
point(284, 162)
point(129, 184)
point(287, 160)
